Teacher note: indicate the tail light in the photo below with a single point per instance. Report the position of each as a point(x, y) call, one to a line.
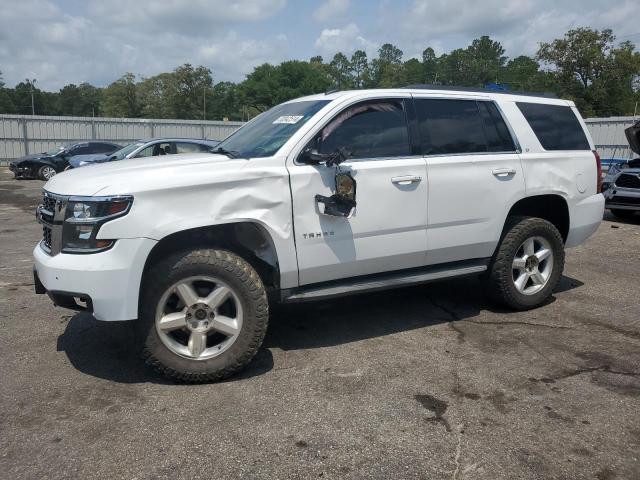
point(599, 168)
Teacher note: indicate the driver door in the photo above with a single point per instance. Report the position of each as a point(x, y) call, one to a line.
point(388, 228)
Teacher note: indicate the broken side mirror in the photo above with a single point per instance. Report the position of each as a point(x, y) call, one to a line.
point(311, 156)
point(343, 202)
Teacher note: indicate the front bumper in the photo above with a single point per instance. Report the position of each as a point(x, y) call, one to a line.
point(622, 198)
point(108, 283)
point(19, 171)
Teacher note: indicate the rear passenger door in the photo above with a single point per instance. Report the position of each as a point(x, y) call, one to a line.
point(475, 175)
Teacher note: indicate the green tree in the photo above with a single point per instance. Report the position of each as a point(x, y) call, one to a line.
point(340, 71)
point(360, 67)
point(388, 69)
point(120, 99)
point(590, 69)
point(82, 101)
point(190, 85)
point(269, 85)
point(430, 65)
point(486, 58)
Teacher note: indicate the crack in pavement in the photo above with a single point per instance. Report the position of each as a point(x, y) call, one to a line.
point(458, 452)
point(580, 371)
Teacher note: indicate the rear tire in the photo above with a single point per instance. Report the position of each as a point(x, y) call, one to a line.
point(203, 315)
point(527, 264)
point(623, 214)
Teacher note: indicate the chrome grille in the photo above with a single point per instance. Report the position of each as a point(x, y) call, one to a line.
point(628, 180)
point(46, 237)
point(50, 213)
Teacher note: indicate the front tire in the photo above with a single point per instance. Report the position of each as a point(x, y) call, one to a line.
point(527, 264)
point(203, 315)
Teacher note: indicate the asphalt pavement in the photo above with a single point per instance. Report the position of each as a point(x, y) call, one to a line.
point(429, 382)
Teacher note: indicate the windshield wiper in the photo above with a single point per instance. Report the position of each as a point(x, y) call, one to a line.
point(224, 151)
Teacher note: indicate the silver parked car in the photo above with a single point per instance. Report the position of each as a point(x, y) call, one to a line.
point(621, 186)
point(147, 148)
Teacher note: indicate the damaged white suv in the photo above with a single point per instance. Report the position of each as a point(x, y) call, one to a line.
point(322, 196)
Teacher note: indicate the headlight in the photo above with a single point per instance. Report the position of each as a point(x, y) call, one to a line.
point(83, 219)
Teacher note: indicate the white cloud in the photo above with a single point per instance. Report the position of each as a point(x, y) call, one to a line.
point(331, 9)
point(519, 24)
point(345, 40)
point(145, 37)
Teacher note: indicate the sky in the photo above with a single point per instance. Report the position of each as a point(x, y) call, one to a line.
point(59, 42)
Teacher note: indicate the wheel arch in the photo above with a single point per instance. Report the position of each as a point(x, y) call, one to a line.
point(551, 207)
point(248, 239)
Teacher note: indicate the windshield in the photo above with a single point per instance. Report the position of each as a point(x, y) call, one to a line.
point(124, 151)
point(265, 134)
point(55, 150)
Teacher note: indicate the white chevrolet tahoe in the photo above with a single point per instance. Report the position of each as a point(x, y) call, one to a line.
point(323, 196)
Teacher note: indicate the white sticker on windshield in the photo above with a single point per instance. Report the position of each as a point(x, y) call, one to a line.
point(291, 119)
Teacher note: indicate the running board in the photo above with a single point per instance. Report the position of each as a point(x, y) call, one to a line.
point(385, 281)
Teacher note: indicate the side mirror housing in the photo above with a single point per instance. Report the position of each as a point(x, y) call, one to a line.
point(311, 156)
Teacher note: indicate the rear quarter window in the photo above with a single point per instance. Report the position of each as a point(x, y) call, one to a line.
point(556, 126)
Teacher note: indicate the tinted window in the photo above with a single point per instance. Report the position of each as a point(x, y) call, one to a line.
point(81, 149)
point(556, 126)
point(187, 147)
point(496, 132)
point(103, 147)
point(450, 126)
point(368, 130)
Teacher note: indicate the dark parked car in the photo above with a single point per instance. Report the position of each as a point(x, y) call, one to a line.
point(147, 148)
point(621, 186)
point(46, 165)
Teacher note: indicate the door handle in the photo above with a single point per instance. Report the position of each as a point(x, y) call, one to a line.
point(406, 179)
point(503, 172)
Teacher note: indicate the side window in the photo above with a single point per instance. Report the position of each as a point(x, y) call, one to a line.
point(95, 148)
point(187, 147)
point(450, 126)
point(80, 149)
point(103, 147)
point(146, 152)
point(556, 126)
point(163, 149)
point(498, 137)
point(375, 129)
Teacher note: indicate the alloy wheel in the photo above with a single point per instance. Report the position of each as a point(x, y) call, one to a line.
point(199, 317)
point(532, 265)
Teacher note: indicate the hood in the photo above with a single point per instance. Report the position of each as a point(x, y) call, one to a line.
point(91, 158)
point(633, 136)
point(35, 156)
point(140, 174)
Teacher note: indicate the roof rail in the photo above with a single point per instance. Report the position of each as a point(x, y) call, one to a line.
point(454, 88)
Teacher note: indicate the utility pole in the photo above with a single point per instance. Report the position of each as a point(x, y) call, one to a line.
point(204, 102)
point(33, 107)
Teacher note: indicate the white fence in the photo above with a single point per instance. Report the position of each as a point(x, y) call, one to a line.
point(608, 135)
point(25, 134)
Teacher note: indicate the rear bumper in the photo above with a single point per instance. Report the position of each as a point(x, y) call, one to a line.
point(585, 218)
point(106, 283)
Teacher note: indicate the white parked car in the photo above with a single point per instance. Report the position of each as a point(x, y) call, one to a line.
point(319, 197)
